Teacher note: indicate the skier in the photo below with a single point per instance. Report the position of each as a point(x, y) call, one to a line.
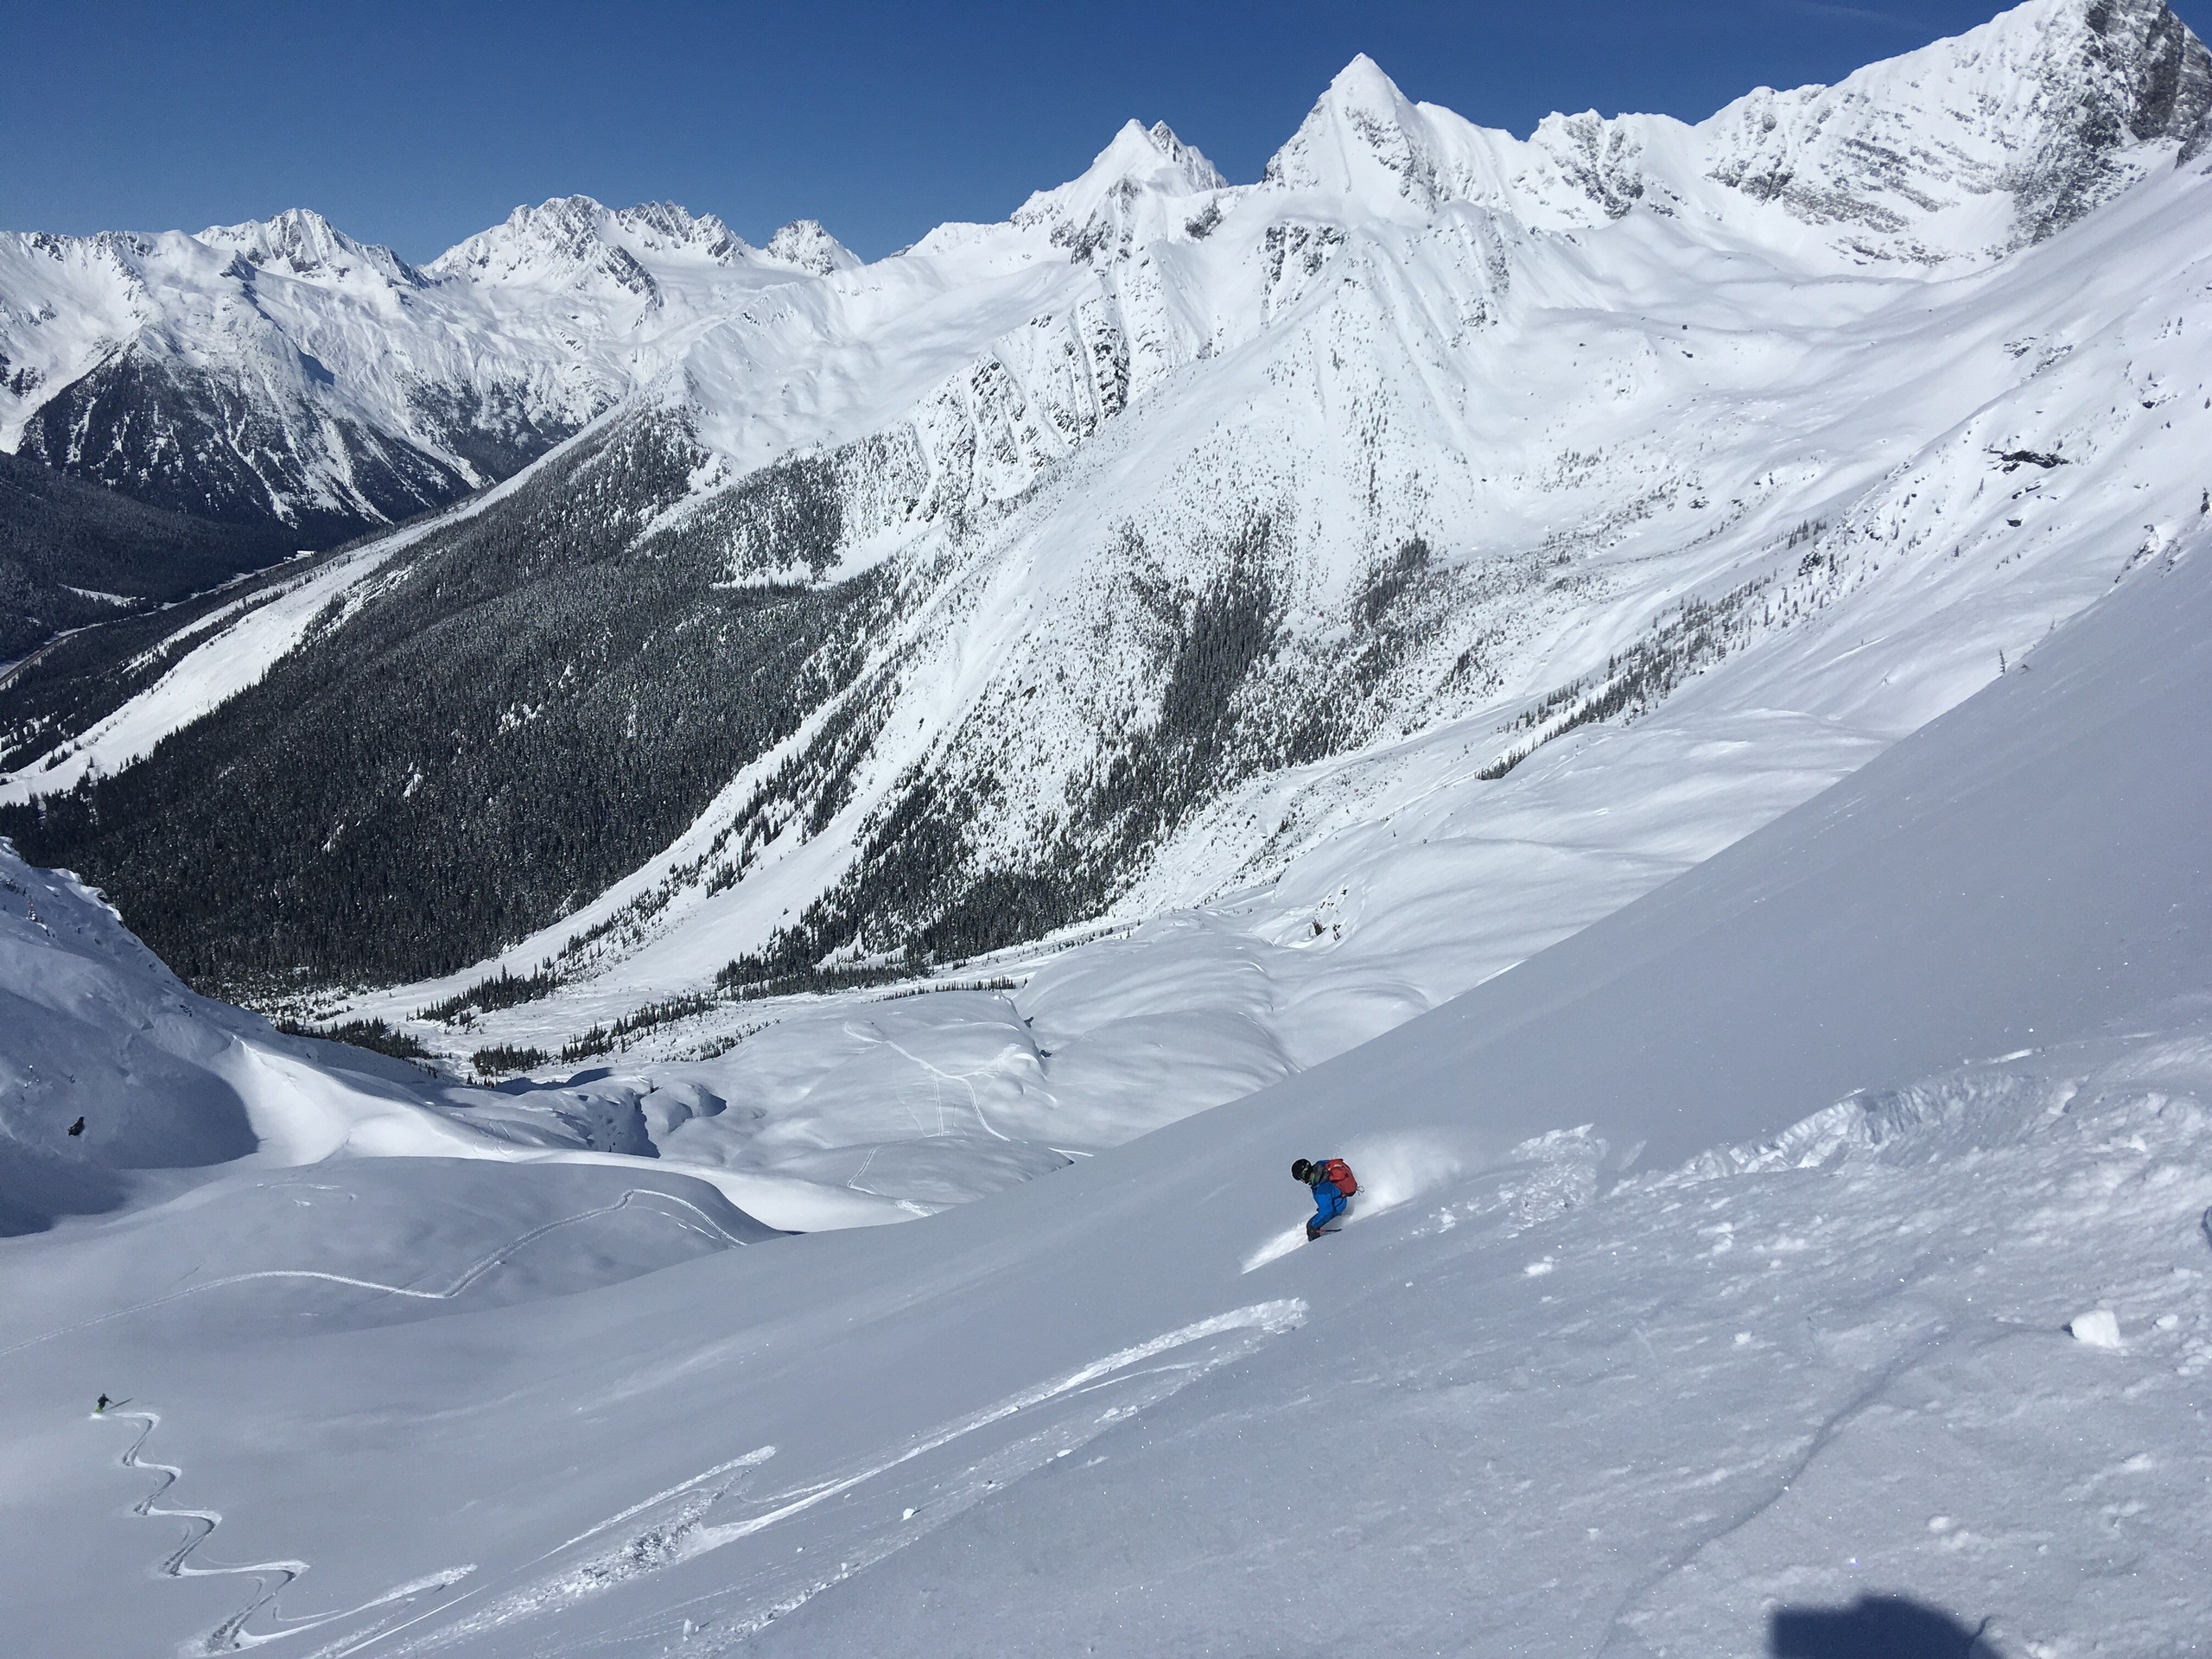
point(1333, 1184)
point(102, 1407)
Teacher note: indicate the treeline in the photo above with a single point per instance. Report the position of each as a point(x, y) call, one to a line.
point(502, 990)
point(372, 1034)
point(542, 700)
point(58, 534)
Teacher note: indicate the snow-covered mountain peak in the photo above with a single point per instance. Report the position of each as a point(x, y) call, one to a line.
point(573, 241)
point(1186, 162)
point(1964, 149)
point(529, 244)
point(300, 242)
point(804, 244)
point(1947, 158)
point(1094, 208)
point(667, 229)
point(1152, 158)
point(1363, 140)
point(2146, 67)
point(1977, 144)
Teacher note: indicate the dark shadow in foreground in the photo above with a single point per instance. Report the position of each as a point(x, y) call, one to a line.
point(1874, 1627)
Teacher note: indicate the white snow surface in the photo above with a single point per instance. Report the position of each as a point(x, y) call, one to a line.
point(1784, 1118)
point(1719, 1270)
point(100, 1032)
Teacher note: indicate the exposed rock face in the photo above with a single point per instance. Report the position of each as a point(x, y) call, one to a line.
point(2161, 75)
point(193, 441)
point(804, 244)
point(2142, 79)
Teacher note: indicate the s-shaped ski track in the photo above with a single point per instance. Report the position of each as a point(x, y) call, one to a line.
point(270, 1577)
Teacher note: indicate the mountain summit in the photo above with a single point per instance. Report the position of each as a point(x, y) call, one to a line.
point(805, 243)
point(1129, 191)
point(302, 244)
point(1362, 140)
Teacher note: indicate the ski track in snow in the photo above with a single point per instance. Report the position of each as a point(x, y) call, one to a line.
point(273, 1577)
point(469, 1276)
point(680, 1534)
point(941, 1077)
point(636, 1550)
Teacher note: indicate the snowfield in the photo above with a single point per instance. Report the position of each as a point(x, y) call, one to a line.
point(1737, 897)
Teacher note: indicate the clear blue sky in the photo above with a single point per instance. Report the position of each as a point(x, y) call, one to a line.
point(415, 123)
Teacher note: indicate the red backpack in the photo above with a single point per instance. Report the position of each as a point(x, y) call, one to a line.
point(1338, 1171)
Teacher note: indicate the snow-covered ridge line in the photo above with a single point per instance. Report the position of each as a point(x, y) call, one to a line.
point(1168, 357)
point(1939, 160)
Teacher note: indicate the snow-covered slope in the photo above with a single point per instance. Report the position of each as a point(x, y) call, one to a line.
point(1644, 685)
point(1318, 446)
point(1826, 1224)
point(119, 1087)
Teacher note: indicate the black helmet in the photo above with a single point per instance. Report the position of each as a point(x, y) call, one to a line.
point(1300, 1169)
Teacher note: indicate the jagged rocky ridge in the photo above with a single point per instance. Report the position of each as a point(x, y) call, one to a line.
point(1160, 488)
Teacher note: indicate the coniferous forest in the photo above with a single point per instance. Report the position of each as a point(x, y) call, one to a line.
point(534, 703)
point(74, 555)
